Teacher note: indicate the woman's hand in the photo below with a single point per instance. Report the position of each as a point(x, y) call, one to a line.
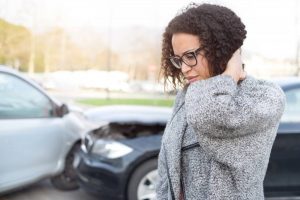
point(234, 67)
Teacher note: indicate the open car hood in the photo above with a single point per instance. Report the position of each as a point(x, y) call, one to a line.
point(125, 114)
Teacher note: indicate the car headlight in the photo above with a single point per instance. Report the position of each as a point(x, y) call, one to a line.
point(110, 149)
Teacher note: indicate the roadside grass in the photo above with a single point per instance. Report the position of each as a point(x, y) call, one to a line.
point(127, 101)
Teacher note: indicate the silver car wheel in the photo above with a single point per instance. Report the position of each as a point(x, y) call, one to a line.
point(146, 187)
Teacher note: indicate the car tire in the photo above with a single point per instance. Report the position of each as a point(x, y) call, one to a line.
point(67, 180)
point(142, 183)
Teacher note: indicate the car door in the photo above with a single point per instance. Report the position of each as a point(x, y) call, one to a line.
point(30, 135)
point(283, 174)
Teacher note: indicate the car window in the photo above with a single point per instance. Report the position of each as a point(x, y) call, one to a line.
point(292, 109)
point(19, 99)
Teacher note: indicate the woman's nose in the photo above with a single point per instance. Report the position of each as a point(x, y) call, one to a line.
point(185, 68)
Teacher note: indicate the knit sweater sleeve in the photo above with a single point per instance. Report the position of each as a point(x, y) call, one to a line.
point(216, 104)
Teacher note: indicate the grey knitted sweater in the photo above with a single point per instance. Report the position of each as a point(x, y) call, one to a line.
point(217, 144)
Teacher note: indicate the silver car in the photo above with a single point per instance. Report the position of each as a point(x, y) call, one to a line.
point(38, 135)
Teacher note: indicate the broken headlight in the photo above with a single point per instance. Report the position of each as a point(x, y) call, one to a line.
point(110, 149)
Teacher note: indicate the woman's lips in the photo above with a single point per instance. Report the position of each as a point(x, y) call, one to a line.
point(191, 79)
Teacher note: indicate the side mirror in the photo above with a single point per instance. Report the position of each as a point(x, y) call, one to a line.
point(63, 110)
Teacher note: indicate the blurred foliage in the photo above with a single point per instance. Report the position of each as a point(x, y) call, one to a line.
point(14, 44)
point(56, 50)
point(50, 51)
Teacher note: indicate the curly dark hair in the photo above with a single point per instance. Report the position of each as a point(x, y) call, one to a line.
point(219, 29)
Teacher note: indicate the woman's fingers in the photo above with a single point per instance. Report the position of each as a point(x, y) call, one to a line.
point(234, 66)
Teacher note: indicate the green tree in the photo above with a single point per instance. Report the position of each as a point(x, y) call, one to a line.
point(14, 42)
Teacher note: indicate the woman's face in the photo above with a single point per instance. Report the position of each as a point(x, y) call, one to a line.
point(183, 43)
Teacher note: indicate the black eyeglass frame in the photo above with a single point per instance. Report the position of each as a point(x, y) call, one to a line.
point(195, 53)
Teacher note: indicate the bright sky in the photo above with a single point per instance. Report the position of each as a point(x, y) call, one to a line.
point(271, 24)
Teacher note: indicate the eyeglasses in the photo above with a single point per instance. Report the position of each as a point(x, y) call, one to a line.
point(189, 58)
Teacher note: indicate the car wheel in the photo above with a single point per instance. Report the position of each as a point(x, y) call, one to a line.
point(67, 180)
point(143, 181)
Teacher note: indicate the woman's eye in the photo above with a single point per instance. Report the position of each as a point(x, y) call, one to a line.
point(189, 56)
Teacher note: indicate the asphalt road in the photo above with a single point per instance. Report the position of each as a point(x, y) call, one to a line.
point(45, 191)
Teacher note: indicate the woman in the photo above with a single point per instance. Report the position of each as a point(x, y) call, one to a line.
point(218, 141)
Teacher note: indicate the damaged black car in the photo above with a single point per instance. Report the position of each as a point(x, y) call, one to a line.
point(119, 159)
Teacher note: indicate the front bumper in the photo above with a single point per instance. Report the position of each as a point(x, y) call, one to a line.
point(107, 179)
